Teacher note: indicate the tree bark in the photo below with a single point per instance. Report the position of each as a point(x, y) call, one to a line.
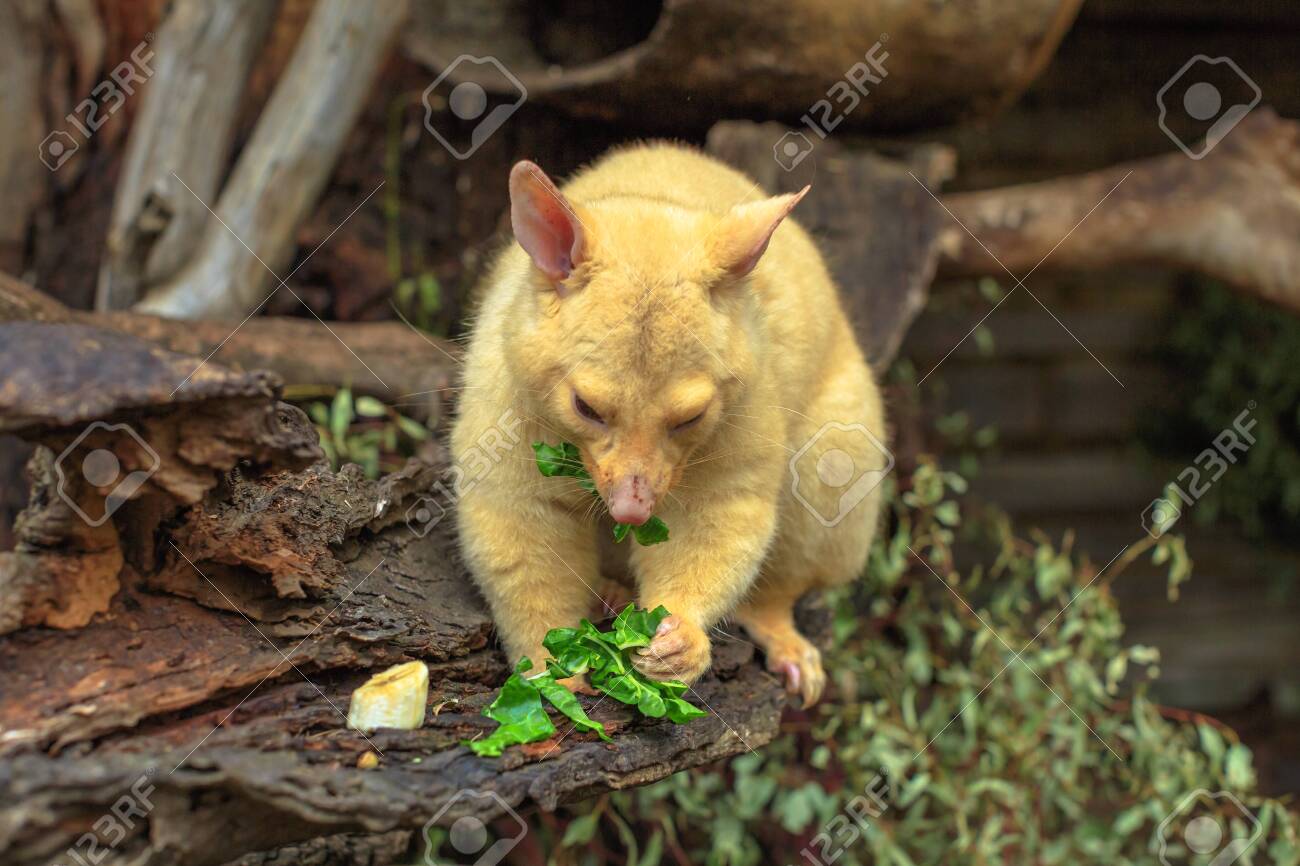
point(1234, 215)
point(239, 596)
point(292, 153)
point(201, 60)
point(385, 359)
point(695, 61)
point(25, 27)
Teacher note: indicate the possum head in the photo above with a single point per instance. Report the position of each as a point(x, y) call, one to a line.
point(643, 327)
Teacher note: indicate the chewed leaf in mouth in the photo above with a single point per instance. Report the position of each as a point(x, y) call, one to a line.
point(564, 461)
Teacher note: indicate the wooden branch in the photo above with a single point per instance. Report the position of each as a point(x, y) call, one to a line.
point(284, 166)
point(385, 359)
point(764, 59)
point(23, 180)
point(201, 60)
point(1234, 215)
point(879, 230)
point(256, 589)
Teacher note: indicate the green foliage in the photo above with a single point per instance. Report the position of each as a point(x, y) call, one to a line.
point(564, 461)
point(603, 657)
point(998, 703)
point(1236, 354)
point(363, 430)
point(417, 293)
point(518, 708)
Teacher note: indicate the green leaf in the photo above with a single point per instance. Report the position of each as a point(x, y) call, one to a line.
point(564, 701)
point(341, 414)
point(369, 407)
point(581, 829)
point(412, 428)
point(604, 658)
point(680, 712)
point(653, 531)
point(654, 850)
point(1237, 769)
point(1211, 743)
point(559, 462)
point(565, 461)
point(518, 707)
point(430, 292)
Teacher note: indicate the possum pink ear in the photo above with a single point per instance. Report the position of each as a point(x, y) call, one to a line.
point(747, 229)
point(544, 222)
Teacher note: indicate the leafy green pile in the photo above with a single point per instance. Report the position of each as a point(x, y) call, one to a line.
point(603, 656)
point(564, 461)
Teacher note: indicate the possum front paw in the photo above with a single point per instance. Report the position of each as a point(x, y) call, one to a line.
point(679, 651)
point(578, 685)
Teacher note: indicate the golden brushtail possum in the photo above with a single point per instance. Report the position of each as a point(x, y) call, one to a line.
point(672, 322)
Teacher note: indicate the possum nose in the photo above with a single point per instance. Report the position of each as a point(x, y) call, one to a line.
point(631, 500)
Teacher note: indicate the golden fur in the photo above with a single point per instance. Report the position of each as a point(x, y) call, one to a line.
point(652, 326)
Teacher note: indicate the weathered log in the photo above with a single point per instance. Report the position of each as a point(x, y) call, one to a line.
point(881, 233)
point(201, 59)
point(385, 359)
point(253, 595)
point(690, 61)
point(1234, 215)
point(292, 151)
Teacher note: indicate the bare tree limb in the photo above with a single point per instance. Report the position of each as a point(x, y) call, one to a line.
point(284, 166)
point(1234, 215)
point(202, 56)
point(761, 59)
point(386, 359)
point(22, 82)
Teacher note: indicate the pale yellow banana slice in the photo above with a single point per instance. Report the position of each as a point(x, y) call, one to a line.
point(394, 698)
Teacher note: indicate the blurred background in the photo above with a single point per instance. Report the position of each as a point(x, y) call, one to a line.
point(1069, 411)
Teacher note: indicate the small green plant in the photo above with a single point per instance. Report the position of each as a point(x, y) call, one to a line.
point(565, 461)
point(1043, 749)
point(1234, 354)
point(417, 294)
point(603, 657)
point(363, 430)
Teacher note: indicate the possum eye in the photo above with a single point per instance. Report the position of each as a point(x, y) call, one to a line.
point(582, 408)
point(689, 423)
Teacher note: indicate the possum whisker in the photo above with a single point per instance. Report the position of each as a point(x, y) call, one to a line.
point(765, 438)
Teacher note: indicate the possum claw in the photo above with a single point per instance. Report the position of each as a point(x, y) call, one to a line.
point(799, 664)
point(790, 671)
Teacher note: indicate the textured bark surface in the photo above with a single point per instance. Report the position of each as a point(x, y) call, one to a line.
point(22, 181)
point(237, 599)
point(1234, 215)
point(204, 52)
point(293, 152)
point(386, 359)
point(691, 60)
